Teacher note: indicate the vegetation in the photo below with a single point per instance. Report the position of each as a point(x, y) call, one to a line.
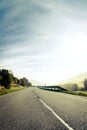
point(76, 86)
point(7, 79)
point(24, 82)
point(80, 93)
point(75, 89)
point(12, 89)
point(10, 83)
point(85, 85)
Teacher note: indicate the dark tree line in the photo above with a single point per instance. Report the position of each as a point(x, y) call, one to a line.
point(84, 88)
point(7, 78)
point(85, 85)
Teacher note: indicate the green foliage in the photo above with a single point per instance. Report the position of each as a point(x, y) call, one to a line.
point(79, 93)
point(24, 82)
point(6, 79)
point(16, 80)
point(13, 89)
point(85, 84)
point(0, 79)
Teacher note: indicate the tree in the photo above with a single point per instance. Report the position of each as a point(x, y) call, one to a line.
point(7, 78)
point(29, 84)
point(85, 84)
point(24, 82)
point(16, 80)
point(0, 79)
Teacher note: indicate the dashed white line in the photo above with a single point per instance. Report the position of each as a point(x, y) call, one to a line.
point(58, 117)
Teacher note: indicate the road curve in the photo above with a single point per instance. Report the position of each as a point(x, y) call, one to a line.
point(26, 110)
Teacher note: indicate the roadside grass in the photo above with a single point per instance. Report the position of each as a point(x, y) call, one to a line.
point(79, 93)
point(12, 89)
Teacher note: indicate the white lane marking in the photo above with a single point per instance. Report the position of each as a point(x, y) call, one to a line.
point(59, 118)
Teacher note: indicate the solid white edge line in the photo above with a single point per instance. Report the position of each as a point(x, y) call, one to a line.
point(59, 118)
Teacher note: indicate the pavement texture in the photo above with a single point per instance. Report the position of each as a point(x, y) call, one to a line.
point(71, 108)
point(22, 110)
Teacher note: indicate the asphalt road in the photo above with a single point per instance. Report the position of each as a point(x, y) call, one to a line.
point(36, 109)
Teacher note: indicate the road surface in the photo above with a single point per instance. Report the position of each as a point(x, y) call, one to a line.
point(36, 109)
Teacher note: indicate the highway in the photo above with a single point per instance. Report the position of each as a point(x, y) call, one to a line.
point(37, 109)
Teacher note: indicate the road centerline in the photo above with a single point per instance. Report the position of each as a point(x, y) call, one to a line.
point(56, 115)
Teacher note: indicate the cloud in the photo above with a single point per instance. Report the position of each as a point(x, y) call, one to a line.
point(44, 38)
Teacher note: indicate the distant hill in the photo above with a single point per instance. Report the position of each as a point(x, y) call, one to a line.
point(76, 79)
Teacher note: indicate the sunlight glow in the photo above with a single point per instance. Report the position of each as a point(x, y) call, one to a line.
point(46, 42)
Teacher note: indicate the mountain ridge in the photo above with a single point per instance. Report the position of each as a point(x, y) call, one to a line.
point(76, 79)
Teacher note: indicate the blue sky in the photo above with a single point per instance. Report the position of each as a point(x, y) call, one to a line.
point(44, 40)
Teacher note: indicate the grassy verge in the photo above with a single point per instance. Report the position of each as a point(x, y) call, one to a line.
point(80, 93)
point(12, 89)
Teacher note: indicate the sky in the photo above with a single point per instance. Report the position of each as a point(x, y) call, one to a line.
point(43, 40)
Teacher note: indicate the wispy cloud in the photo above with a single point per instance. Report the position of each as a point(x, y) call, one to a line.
point(43, 39)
